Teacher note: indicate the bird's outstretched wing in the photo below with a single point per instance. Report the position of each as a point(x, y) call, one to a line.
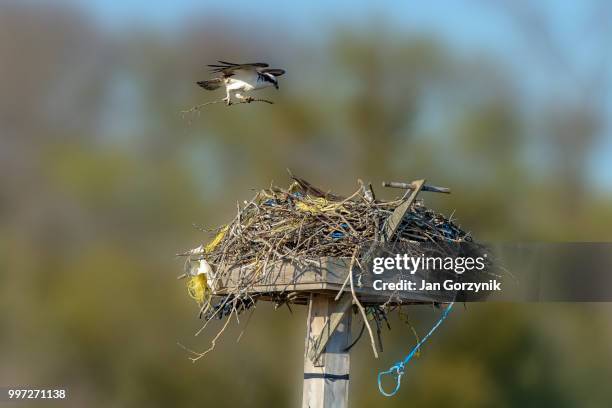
point(228, 68)
point(274, 71)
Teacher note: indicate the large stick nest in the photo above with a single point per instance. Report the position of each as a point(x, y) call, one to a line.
point(301, 224)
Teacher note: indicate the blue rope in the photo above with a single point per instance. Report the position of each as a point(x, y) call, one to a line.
point(398, 368)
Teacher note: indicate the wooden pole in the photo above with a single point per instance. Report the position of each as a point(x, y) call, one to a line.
point(326, 380)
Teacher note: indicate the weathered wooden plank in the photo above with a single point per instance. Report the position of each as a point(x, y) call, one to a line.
point(326, 385)
point(396, 218)
point(326, 277)
point(342, 306)
point(410, 186)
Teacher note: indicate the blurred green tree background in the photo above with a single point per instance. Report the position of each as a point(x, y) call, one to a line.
point(103, 178)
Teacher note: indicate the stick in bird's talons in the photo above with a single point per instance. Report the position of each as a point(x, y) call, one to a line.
point(249, 99)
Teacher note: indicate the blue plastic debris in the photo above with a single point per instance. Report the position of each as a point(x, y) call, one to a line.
point(270, 202)
point(397, 370)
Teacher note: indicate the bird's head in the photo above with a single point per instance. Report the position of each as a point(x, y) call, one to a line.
point(272, 79)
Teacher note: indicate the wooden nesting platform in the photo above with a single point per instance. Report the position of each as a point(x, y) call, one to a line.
point(325, 276)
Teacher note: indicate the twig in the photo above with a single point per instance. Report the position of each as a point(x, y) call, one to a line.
point(343, 286)
point(358, 303)
point(200, 106)
point(199, 355)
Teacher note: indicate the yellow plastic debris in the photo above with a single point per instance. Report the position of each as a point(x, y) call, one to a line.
point(316, 205)
point(197, 285)
point(198, 288)
point(216, 240)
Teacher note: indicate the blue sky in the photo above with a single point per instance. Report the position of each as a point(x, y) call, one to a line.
point(465, 21)
point(472, 26)
point(468, 25)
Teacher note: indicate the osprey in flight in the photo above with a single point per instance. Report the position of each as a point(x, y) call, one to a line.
point(239, 78)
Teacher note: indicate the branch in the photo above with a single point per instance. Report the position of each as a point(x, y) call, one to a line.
point(246, 100)
point(198, 355)
point(358, 303)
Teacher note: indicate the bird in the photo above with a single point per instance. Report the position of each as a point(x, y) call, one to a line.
point(241, 78)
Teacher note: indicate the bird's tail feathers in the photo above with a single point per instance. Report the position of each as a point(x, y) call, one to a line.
point(211, 84)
